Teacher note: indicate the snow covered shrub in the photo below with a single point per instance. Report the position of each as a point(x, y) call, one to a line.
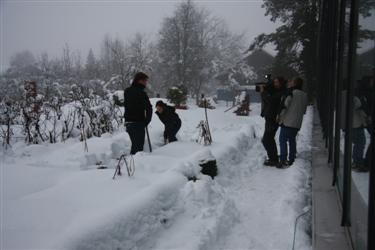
point(243, 103)
point(69, 126)
point(51, 123)
point(53, 108)
point(8, 113)
point(177, 96)
point(31, 112)
point(101, 115)
point(96, 112)
point(206, 102)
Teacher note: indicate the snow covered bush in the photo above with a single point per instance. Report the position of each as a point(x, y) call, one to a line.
point(83, 113)
point(206, 103)
point(177, 96)
point(9, 112)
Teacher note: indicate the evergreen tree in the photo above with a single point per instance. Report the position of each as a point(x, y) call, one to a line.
point(296, 39)
point(91, 66)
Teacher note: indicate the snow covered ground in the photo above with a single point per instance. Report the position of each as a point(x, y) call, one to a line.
point(53, 197)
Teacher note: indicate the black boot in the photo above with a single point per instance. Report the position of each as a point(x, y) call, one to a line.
point(271, 163)
point(283, 164)
point(360, 168)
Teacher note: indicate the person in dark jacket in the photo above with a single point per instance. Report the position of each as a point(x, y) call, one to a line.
point(169, 117)
point(271, 99)
point(138, 111)
point(365, 94)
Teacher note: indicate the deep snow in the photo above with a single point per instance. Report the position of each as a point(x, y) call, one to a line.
point(54, 197)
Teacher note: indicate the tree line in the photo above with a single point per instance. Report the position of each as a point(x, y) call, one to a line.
point(73, 96)
point(191, 48)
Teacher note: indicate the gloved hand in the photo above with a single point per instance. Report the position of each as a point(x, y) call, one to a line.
point(117, 100)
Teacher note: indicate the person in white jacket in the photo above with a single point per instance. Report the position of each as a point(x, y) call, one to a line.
point(358, 129)
point(294, 105)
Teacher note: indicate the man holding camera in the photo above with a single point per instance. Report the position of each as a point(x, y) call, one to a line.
point(271, 94)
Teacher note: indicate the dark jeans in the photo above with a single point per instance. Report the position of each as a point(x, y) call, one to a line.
point(288, 136)
point(359, 144)
point(136, 131)
point(171, 131)
point(269, 139)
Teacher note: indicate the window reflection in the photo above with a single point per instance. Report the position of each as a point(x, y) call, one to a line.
point(362, 130)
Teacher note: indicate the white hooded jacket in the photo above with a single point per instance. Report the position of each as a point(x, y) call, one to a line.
point(295, 106)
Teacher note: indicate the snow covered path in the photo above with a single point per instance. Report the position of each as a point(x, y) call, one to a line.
point(268, 200)
point(264, 203)
point(267, 211)
point(55, 198)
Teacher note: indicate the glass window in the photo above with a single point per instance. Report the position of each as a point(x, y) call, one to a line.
point(342, 91)
point(362, 119)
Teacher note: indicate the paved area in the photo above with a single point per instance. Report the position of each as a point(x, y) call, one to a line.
point(327, 231)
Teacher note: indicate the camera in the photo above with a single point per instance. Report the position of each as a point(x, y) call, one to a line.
point(258, 85)
point(264, 84)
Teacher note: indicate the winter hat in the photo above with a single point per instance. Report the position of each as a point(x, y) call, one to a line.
point(160, 103)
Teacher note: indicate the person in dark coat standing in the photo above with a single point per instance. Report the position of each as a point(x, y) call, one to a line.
point(138, 111)
point(271, 101)
point(170, 119)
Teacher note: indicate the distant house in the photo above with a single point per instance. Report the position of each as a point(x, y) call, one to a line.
point(260, 61)
point(250, 90)
point(226, 94)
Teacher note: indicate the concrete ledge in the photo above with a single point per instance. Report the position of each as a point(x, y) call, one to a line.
point(327, 231)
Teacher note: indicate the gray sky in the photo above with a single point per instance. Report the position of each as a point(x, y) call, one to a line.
point(46, 25)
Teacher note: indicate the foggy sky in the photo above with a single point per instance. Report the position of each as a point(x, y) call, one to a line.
point(46, 25)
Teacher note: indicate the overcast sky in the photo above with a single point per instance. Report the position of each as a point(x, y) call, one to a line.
point(46, 25)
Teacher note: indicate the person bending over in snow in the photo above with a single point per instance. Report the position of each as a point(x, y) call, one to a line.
point(169, 117)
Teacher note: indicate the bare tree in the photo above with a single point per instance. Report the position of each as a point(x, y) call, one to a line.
point(116, 60)
point(140, 50)
point(67, 61)
point(194, 46)
point(122, 60)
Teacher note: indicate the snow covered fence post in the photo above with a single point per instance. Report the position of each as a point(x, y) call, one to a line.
point(208, 126)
